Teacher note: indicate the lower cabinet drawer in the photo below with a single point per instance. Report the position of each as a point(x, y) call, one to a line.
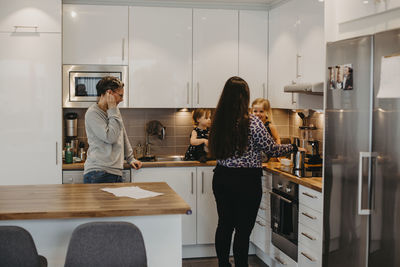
point(310, 239)
point(76, 177)
point(281, 259)
point(311, 218)
point(308, 257)
point(261, 235)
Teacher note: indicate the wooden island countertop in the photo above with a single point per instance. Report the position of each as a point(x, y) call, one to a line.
point(23, 202)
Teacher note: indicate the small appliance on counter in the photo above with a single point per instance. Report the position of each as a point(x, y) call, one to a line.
point(71, 126)
point(314, 157)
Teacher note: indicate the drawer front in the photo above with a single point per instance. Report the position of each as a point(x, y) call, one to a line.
point(308, 258)
point(265, 211)
point(310, 239)
point(311, 218)
point(281, 259)
point(310, 198)
point(72, 177)
point(261, 235)
point(267, 179)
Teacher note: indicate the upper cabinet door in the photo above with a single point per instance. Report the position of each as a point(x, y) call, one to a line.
point(95, 34)
point(283, 54)
point(215, 53)
point(160, 57)
point(253, 44)
point(311, 41)
point(30, 74)
point(30, 16)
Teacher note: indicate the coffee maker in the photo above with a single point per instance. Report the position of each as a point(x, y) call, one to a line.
point(313, 157)
point(71, 131)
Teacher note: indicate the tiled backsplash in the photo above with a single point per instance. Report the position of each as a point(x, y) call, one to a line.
point(179, 126)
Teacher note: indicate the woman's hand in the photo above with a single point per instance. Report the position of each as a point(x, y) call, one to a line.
point(110, 100)
point(206, 142)
point(136, 164)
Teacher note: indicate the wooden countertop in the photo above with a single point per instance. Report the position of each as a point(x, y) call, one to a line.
point(85, 200)
point(79, 166)
point(314, 183)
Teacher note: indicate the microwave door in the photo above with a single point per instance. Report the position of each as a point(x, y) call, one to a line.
point(83, 85)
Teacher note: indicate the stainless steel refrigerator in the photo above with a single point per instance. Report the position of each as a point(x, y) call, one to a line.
point(362, 156)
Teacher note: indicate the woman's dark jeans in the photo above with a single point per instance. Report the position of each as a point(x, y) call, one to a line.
point(238, 193)
point(95, 177)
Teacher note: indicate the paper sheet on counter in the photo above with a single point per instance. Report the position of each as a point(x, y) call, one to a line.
point(132, 191)
point(390, 77)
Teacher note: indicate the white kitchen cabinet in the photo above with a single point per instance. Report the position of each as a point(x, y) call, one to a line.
point(45, 15)
point(160, 57)
point(282, 54)
point(76, 176)
point(183, 182)
point(207, 217)
point(215, 53)
point(95, 34)
point(310, 228)
point(296, 52)
point(30, 73)
point(194, 185)
point(261, 234)
point(253, 45)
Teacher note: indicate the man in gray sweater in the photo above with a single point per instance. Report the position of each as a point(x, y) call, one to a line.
point(107, 138)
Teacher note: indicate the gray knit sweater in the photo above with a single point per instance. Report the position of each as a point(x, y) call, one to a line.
point(108, 143)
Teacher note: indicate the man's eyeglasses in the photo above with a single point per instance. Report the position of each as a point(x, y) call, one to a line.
point(120, 95)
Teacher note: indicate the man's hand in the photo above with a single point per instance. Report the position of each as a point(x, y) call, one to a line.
point(136, 164)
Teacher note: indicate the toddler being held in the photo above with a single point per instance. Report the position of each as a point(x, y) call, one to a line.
point(198, 147)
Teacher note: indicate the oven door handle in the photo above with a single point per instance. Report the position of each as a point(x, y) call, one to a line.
point(280, 197)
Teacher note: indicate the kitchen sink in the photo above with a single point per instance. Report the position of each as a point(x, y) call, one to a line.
point(170, 158)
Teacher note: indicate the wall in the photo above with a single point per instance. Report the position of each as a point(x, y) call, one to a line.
point(347, 18)
point(179, 126)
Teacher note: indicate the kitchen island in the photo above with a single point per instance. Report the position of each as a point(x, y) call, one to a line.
point(51, 212)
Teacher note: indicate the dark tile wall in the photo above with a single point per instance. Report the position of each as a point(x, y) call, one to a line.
point(179, 126)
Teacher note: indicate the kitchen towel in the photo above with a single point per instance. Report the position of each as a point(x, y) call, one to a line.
point(132, 191)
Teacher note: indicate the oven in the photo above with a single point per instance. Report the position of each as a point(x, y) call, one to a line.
point(79, 83)
point(285, 215)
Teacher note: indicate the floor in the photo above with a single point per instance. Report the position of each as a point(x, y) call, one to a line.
point(254, 261)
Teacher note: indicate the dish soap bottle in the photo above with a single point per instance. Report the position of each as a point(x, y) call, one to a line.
point(68, 153)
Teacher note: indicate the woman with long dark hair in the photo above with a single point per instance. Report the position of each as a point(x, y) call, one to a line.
point(236, 140)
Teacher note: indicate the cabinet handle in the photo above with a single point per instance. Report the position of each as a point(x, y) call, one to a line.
point(279, 260)
point(262, 208)
point(192, 182)
point(187, 91)
point(16, 27)
point(309, 195)
point(202, 182)
point(297, 66)
point(293, 101)
point(198, 93)
point(308, 236)
point(259, 223)
point(123, 49)
point(56, 153)
point(308, 257)
point(309, 216)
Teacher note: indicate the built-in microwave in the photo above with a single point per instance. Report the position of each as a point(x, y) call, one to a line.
point(79, 83)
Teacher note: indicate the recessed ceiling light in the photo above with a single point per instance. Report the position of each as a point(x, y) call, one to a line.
point(320, 0)
point(365, 2)
point(73, 14)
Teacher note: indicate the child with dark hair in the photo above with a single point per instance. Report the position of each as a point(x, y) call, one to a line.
point(198, 147)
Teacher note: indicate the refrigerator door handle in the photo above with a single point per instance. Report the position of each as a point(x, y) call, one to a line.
point(363, 155)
